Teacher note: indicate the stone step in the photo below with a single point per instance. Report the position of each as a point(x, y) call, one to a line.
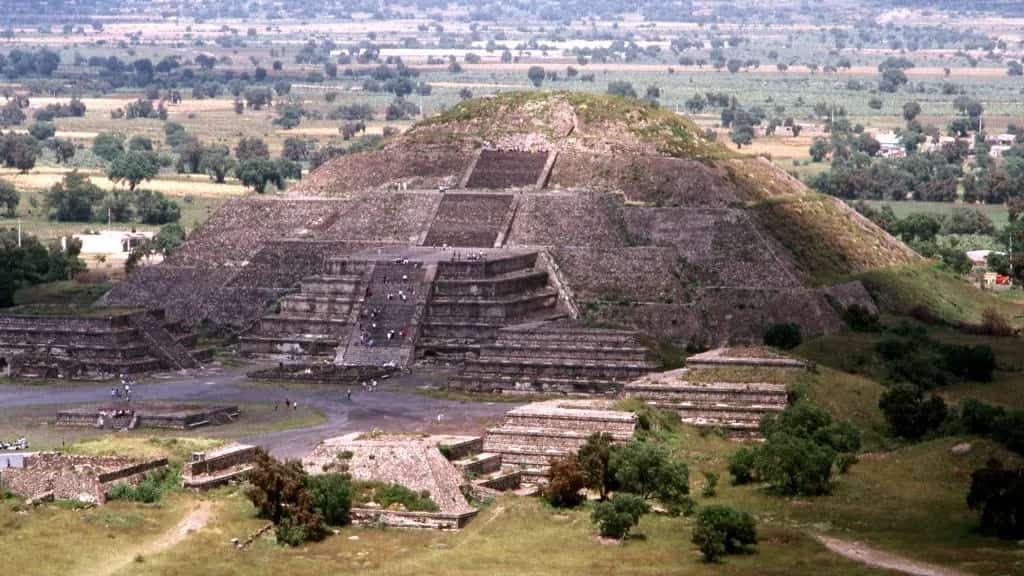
point(546, 440)
point(502, 480)
point(732, 428)
point(314, 346)
point(768, 394)
point(480, 464)
point(348, 284)
point(526, 368)
point(583, 424)
point(317, 306)
point(281, 324)
point(482, 382)
point(500, 308)
point(529, 457)
point(517, 282)
point(505, 349)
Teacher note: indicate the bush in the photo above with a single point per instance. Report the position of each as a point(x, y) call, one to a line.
point(564, 484)
point(649, 471)
point(999, 495)
point(723, 530)
point(392, 495)
point(594, 459)
point(741, 466)
point(785, 336)
point(860, 319)
point(615, 517)
point(710, 485)
point(795, 465)
point(147, 491)
point(909, 413)
point(332, 497)
point(979, 418)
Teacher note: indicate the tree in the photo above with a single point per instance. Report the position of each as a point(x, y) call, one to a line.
point(647, 470)
point(295, 149)
point(258, 97)
point(251, 148)
point(9, 197)
point(909, 413)
point(140, 143)
point(108, 146)
point(536, 74)
point(20, 151)
point(785, 336)
point(742, 134)
point(999, 494)
point(564, 484)
point(820, 148)
point(332, 497)
point(615, 517)
point(133, 167)
point(721, 530)
point(170, 237)
point(258, 172)
point(742, 466)
point(217, 163)
point(155, 208)
point(911, 110)
point(595, 463)
point(72, 199)
point(278, 491)
point(400, 109)
point(794, 465)
point(621, 88)
point(63, 149)
point(42, 130)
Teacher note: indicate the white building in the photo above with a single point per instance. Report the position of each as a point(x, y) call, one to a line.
point(110, 247)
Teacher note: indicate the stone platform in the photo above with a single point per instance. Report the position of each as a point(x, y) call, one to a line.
point(129, 415)
point(729, 389)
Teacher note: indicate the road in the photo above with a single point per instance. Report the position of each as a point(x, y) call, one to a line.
point(393, 407)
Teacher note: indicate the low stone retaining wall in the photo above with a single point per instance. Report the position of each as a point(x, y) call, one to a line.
point(401, 519)
point(74, 477)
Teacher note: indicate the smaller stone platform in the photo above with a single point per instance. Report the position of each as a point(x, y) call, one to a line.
point(533, 435)
point(729, 389)
point(53, 475)
point(120, 415)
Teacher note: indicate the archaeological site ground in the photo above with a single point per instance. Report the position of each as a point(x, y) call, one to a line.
point(682, 287)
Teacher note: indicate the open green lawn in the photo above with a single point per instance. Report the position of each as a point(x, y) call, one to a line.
point(999, 213)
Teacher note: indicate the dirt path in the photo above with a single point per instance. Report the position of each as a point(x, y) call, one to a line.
point(859, 552)
point(195, 520)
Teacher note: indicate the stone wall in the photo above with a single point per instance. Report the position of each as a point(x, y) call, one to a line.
point(73, 477)
point(402, 519)
point(221, 459)
point(569, 219)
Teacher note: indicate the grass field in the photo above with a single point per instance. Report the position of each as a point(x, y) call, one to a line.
point(998, 213)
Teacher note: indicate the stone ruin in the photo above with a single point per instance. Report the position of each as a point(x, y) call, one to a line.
point(132, 415)
point(95, 345)
point(226, 464)
point(414, 462)
point(57, 476)
point(728, 389)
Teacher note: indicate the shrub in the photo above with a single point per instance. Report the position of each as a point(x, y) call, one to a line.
point(332, 497)
point(649, 471)
point(615, 517)
point(710, 485)
point(723, 530)
point(741, 466)
point(795, 465)
point(594, 459)
point(564, 484)
point(860, 319)
point(909, 413)
point(392, 495)
point(785, 336)
point(147, 491)
point(979, 418)
point(999, 495)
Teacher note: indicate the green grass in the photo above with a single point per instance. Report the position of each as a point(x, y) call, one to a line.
point(67, 294)
point(999, 213)
point(899, 289)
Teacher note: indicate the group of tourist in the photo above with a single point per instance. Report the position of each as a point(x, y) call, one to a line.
point(19, 444)
point(479, 256)
point(126, 387)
